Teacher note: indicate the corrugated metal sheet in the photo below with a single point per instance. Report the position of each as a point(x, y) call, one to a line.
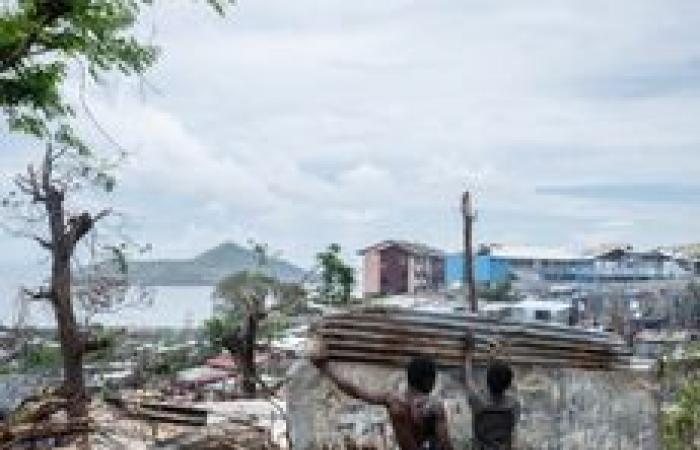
point(393, 335)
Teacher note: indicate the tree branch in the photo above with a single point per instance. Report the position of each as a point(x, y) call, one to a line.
point(39, 294)
point(80, 225)
point(43, 242)
point(102, 214)
point(47, 169)
point(29, 185)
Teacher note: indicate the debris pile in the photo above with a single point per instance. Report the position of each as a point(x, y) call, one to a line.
point(230, 436)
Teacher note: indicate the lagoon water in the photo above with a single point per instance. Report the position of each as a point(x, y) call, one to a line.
point(170, 306)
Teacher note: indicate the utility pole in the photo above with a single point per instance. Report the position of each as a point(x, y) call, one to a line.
point(469, 284)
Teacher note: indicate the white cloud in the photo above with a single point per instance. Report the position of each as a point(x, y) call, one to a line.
point(306, 122)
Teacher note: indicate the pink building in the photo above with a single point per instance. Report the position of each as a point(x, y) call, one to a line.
point(400, 267)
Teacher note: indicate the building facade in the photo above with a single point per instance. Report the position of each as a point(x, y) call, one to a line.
point(497, 263)
point(400, 267)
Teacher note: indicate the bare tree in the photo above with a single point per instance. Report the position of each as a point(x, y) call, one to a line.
point(48, 198)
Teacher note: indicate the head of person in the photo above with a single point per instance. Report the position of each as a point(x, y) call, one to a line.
point(421, 374)
point(499, 376)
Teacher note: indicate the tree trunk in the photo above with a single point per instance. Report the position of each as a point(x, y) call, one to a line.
point(71, 341)
point(248, 356)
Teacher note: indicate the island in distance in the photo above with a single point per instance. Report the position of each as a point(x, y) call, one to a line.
point(208, 268)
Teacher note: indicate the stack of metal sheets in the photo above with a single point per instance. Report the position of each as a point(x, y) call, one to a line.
point(391, 336)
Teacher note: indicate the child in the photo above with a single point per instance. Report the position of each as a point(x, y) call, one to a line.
point(495, 413)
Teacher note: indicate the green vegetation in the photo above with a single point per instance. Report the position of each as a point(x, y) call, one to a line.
point(245, 317)
point(337, 278)
point(40, 358)
point(253, 305)
point(499, 292)
point(42, 41)
point(690, 305)
point(681, 423)
point(221, 325)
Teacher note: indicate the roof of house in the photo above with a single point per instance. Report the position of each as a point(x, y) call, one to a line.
point(531, 252)
point(415, 248)
point(617, 253)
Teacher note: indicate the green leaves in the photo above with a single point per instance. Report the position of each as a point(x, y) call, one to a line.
point(245, 287)
point(337, 278)
point(40, 39)
point(681, 423)
point(499, 292)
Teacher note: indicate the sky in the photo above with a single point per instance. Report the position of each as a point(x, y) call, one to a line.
point(301, 123)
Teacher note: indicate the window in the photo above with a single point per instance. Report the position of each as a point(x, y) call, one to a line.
point(543, 314)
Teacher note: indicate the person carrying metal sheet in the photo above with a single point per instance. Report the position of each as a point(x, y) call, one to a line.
point(495, 412)
point(419, 420)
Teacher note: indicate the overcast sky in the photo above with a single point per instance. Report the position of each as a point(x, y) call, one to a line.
point(305, 122)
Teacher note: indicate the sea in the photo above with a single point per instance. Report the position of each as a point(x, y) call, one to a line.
point(165, 306)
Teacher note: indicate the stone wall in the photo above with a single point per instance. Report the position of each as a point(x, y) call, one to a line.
point(565, 409)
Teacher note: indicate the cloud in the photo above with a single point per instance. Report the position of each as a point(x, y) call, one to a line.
point(633, 192)
point(303, 123)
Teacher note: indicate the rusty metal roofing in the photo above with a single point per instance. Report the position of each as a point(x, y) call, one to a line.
point(391, 336)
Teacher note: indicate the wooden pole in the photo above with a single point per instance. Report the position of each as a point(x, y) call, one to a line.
point(469, 283)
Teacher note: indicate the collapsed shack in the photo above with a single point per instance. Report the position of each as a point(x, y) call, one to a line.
point(141, 422)
point(578, 389)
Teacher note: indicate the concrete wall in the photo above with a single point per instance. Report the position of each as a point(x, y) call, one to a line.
point(394, 273)
point(563, 409)
point(370, 276)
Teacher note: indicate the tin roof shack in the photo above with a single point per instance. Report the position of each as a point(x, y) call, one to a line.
point(400, 267)
point(585, 397)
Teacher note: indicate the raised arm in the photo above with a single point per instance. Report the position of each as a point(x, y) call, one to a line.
point(320, 360)
point(469, 383)
point(443, 434)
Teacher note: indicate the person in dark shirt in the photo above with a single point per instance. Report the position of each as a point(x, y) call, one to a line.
point(494, 413)
point(419, 421)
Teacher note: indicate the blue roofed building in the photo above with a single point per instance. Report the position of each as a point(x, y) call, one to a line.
point(496, 263)
point(488, 270)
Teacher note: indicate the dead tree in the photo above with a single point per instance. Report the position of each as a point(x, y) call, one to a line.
point(63, 171)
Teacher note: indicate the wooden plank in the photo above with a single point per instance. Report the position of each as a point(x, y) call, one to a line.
point(177, 409)
point(168, 417)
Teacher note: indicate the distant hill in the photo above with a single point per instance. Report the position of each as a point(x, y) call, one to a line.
point(208, 268)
